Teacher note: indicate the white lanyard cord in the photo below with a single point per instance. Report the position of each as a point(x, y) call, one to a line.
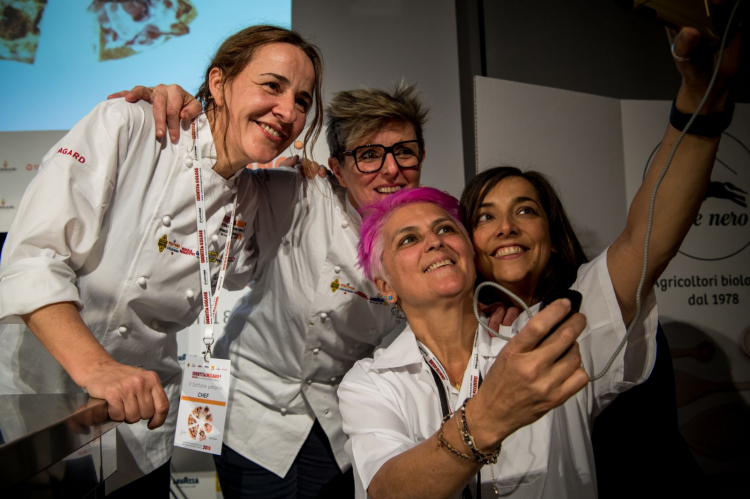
point(209, 304)
point(435, 365)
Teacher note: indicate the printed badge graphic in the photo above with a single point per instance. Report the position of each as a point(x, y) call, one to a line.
point(721, 229)
point(200, 423)
point(347, 288)
point(237, 232)
point(129, 27)
point(173, 247)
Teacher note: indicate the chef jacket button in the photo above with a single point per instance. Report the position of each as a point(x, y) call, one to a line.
point(373, 331)
point(345, 224)
point(154, 324)
point(333, 380)
point(215, 237)
point(316, 350)
point(142, 281)
point(323, 316)
point(189, 293)
point(122, 329)
point(309, 382)
point(283, 411)
point(166, 221)
point(189, 162)
point(337, 269)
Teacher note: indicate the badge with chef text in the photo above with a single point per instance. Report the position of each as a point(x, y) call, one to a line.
point(203, 404)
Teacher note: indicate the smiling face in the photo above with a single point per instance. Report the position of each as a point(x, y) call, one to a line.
point(266, 104)
point(426, 256)
point(512, 238)
point(367, 188)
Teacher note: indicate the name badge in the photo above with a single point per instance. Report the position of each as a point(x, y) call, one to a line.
point(203, 404)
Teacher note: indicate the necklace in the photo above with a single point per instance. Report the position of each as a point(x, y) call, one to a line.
point(457, 384)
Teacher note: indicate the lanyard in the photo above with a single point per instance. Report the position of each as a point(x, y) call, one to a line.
point(209, 303)
point(441, 380)
point(439, 370)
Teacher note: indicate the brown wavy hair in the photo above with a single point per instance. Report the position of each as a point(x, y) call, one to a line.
point(568, 254)
point(236, 53)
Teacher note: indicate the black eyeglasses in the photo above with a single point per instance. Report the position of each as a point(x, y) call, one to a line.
point(371, 157)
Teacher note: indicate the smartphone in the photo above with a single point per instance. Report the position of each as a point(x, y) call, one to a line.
point(575, 305)
point(711, 20)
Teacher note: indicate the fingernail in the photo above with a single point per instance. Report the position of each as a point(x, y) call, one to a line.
point(159, 132)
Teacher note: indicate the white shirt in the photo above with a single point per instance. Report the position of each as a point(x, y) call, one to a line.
point(310, 314)
point(109, 223)
point(390, 403)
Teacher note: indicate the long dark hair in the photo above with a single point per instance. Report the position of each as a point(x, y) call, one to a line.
point(567, 254)
point(237, 51)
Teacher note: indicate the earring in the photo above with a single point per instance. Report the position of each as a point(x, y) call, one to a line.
point(390, 298)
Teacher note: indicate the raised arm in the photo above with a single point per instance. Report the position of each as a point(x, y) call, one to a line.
point(682, 190)
point(525, 382)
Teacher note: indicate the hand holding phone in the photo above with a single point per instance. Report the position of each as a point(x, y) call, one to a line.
point(575, 306)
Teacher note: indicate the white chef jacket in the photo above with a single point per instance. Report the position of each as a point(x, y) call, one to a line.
point(310, 314)
point(390, 403)
point(109, 223)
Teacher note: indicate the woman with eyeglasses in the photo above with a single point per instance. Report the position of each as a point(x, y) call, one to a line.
point(448, 410)
point(102, 259)
point(310, 313)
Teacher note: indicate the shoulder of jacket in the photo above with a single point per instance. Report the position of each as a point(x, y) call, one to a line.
point(138, 114)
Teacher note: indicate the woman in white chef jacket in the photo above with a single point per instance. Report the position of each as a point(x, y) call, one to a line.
point(310, 313)
point(523, 394)
point(101, 263)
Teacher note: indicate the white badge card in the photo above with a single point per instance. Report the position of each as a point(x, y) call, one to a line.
point(203, 404)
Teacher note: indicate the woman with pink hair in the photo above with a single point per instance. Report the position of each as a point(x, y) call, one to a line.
point(430, 410)
point(433, 408)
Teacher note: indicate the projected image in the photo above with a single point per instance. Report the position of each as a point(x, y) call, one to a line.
point(19, 29)
point(60, 58)
point(127, 28)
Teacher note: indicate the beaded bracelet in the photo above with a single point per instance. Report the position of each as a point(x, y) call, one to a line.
point(442, 442)
point(478, 456)
point(482, 457)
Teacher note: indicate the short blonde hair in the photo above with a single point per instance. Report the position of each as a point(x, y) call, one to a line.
point(354, 114)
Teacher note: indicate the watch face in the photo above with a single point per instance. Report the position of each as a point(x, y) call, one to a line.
point(722, 228)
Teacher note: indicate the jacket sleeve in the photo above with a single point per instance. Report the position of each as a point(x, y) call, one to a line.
point(59, 219)
point(604, 331)
point(373, 420)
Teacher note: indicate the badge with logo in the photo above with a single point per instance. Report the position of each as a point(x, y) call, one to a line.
point(203, 404)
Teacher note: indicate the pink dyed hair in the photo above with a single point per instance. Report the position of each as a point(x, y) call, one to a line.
point(374, 216)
